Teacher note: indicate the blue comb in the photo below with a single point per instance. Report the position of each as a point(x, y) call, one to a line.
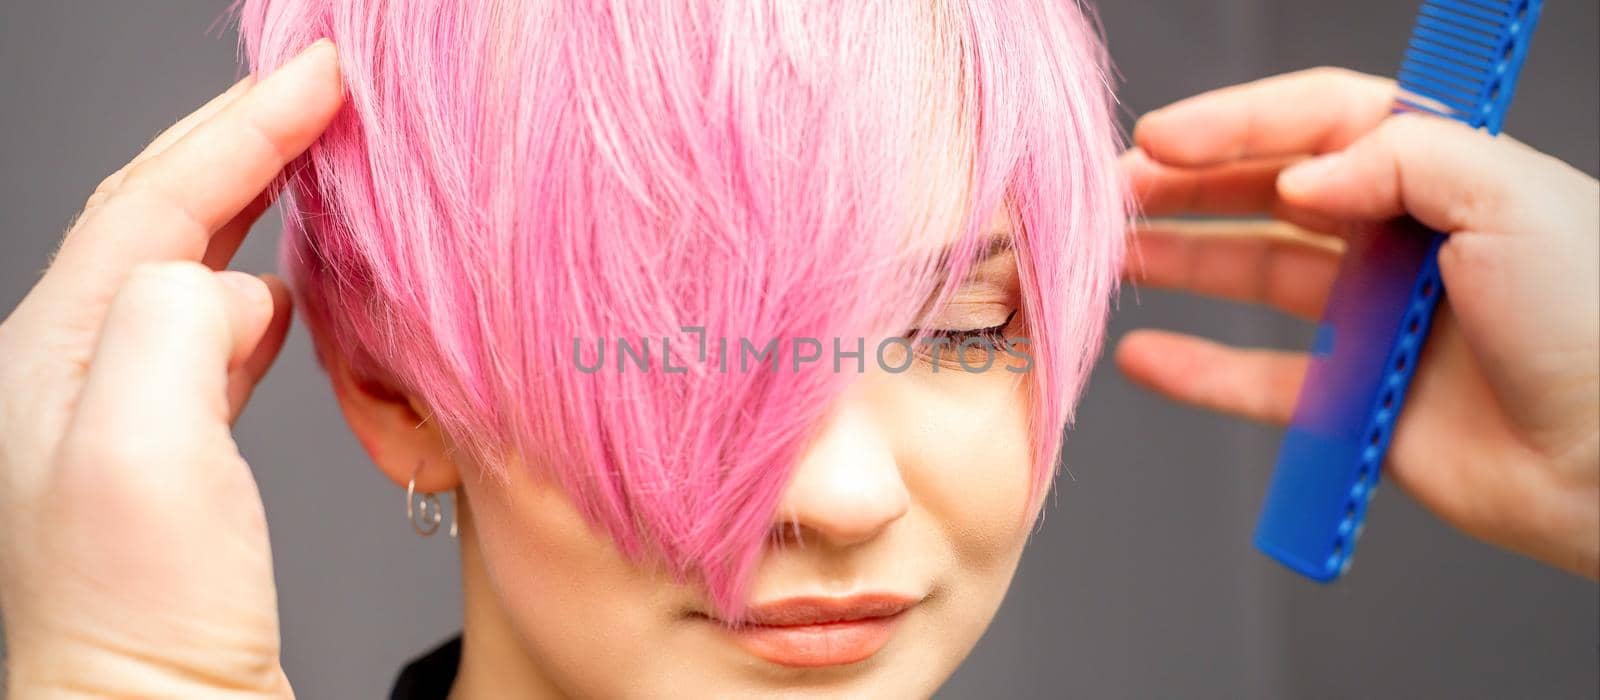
point(1462, 64)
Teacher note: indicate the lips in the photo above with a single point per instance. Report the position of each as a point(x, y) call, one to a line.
point(812, 632)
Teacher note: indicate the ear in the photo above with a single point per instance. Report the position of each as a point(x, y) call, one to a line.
point(397, 430)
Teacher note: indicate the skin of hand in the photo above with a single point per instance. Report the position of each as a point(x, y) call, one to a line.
point(134, 558)
point(1500, 435)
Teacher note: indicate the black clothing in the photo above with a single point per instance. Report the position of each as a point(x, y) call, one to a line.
point(429, 677)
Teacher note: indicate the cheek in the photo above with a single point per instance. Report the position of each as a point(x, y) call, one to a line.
point(527, 533)
point(968, 461)
point(571, 597)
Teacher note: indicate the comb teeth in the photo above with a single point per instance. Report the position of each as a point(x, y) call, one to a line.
point(1464, 57)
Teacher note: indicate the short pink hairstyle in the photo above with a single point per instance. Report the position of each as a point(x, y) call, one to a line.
point(510, 176)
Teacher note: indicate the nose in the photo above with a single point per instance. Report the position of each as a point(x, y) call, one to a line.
point(847, 487)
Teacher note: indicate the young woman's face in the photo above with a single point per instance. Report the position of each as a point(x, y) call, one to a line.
point(892, 548)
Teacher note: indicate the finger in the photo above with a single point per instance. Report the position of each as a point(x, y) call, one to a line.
point(159, 373)
point(1247, 187)
point(148, 471)
point(1257, 384)
point(172, 135)
point(168, 207)
point(1525, 311)
point(1445, 174)
point(1251, 261)
point(243, 379)
point(1311, 111)
point(226, 241)
point(1231, 189)
point(177, 131)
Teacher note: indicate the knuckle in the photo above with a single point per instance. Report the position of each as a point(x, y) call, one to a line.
point(134, 174)
point(139, 208)
point(260, 135)
point(96, 199)
point(167, 282)
point(1404, 128)
point(1400, 137)
point(1324, 82)
point(94, 202)
point(127, 207)
point(1426, 148)
point(104, 190)
point(110, 183)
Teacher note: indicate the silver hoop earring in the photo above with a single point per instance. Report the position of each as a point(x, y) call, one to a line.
point(424, 510)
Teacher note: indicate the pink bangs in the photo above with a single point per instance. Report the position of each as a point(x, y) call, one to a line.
point(514, 183)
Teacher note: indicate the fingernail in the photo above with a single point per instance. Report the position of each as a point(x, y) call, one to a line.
point(246, 285)
point(1307, 174)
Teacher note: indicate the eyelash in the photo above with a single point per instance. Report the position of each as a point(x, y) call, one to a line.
point(959, 336)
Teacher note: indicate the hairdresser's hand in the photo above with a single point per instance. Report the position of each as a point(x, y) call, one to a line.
point(133, 545)
point(1500, 435)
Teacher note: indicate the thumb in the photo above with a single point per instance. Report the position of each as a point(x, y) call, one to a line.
point(173, 334)
point(244, 377)
point(152, 508)
point(1441, 172)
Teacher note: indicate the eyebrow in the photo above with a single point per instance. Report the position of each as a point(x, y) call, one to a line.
point(995, 243)
point(990, 245)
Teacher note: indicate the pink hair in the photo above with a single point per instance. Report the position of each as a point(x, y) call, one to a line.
point(511, 177)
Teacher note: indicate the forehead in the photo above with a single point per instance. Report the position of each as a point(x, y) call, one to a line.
point(995, 232)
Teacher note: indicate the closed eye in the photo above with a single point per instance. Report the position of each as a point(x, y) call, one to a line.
point(956, 336)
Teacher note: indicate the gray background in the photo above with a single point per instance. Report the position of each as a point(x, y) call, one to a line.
point(1142, 581)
